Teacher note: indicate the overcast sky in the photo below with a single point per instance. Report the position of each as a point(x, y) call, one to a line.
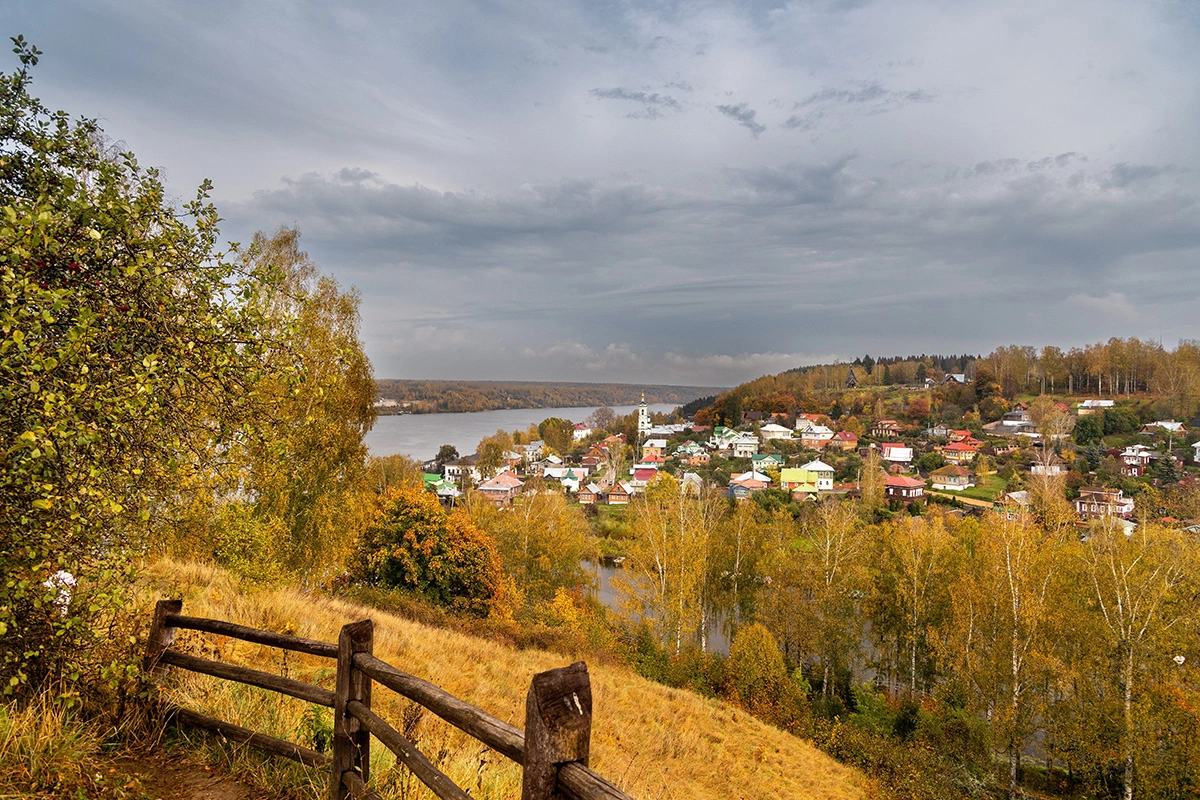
point(678, 192)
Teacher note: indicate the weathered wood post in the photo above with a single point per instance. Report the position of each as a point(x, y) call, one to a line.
point(351, 741)
point(558, 728)
point(161, 636)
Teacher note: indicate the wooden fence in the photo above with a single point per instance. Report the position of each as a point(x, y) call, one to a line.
point(553, 750)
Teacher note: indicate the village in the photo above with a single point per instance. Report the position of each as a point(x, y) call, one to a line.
point(802, 457)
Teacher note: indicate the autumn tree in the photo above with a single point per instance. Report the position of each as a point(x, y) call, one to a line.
point(415, 545)
point(669, 555)
point(755, 673)
point(542, 541)
point(1005, 593)
point(306, 473)
point(910, 570)
point(602, 419)
point(1139, 587)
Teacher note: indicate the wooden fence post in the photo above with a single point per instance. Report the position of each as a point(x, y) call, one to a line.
point(558, 728)
point(161, 636)
point(351, 741)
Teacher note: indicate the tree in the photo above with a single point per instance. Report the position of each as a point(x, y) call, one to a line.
point(416, 546)
point(556, 433)
point(669, 555)
point(755, 673)
point(306, 471)
point(1004, 596)
point(542, 541)
point(492, 452)
point(602, 419)
point(446, 454)
point(1088, 430)
point(130, 356)
point(1138, 585)
point(909, 589)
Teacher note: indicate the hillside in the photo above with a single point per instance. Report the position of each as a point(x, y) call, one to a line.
point(653, 741)
point(430, 397)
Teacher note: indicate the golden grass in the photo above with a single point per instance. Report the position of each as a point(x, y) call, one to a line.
point(652, 741)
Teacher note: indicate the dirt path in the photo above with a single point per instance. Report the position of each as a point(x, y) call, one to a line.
point(164, 778)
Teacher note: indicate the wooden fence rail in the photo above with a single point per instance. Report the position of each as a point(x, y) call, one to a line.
point(553, 750)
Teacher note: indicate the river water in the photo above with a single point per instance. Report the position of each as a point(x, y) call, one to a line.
point(419, 436)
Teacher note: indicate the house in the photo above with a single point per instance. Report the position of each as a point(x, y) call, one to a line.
point(955, 377)
point(589, 495)
point(594, 457)
point(572, 478)
point(549, 462)
point(844, 440)
point(618, 494)
point(901, 487)
point(692, 484)
point(793, 478)
point(744, 446)
point(698, 459)
point(1165, 427)
point(805, 421)
point(952, 478)
point(960, 435)
point(1196, 451)
point(823, 473)
point(581, 431)
point(896, 452)
point(1055, 467)
point(533, 451)
point(1092, 406)
point(641, 478)
point(1135, 459)
point(773, 431)
point(960, 452)
point(654, 447)
point(851, 379)
point(502, 488)
point(743, 485)
point(765, 461)
point(816, 436)
point(467, 465)
point(560, 472)
point(885, 428)
point(940, 431)
point(1012, 504)
point(1100, 503)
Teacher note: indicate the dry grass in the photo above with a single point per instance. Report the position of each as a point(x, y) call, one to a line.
point(652, 741)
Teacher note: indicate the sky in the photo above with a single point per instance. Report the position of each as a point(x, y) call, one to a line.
point(676, 192)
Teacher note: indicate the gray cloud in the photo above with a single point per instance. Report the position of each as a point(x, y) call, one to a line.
point(745, 116)
point(870, 97)
point(484, 175)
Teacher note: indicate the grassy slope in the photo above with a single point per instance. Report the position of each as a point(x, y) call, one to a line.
point(653, 741)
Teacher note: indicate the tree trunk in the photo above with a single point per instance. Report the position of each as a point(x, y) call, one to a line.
point(1127, 794)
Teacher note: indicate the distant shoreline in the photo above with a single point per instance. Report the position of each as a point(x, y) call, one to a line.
point(398, 397)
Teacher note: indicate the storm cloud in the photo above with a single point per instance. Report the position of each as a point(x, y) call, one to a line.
point(564, 191)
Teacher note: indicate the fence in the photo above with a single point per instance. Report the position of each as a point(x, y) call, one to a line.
point(553, 749)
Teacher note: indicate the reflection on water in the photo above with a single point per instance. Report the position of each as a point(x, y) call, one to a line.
point(610, 596)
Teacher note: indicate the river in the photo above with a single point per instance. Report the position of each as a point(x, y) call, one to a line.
point(419, 436)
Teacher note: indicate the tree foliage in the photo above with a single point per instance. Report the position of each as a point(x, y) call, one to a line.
point(416, 546)
point(130, 352)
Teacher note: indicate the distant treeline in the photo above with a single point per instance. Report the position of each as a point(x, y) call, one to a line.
point(431, 397)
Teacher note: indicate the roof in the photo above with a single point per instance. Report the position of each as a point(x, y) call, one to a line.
point(505, 480)
point(750, 476)
point(817, 466)
point(904, 482)
point(845, 436)
point(773, 428)
point(659, 443)
point(893, 445)
point(961, 447)
point(950, 470)
point(644, 474)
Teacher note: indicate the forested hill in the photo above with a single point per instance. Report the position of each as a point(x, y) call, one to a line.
point(429, 397)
